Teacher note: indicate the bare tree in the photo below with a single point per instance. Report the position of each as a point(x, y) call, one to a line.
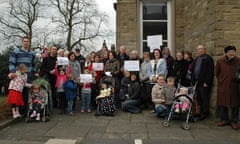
point(80, 20)
point(20, 18)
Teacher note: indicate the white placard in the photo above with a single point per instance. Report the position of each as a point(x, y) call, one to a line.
point(86, 78)
point(62, 60)
point(98, 66)
point(154, 41)
point(131, 65)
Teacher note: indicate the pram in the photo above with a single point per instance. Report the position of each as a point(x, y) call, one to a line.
point(185, 110)
point(45, 91)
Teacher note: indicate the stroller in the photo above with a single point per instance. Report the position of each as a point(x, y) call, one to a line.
point(182, 106)
point(44, 107)
point(105, 101)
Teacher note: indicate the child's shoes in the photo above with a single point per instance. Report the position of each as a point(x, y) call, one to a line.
point(89, 111)
point(177, 108)
point(38, 117)
point(34, 114)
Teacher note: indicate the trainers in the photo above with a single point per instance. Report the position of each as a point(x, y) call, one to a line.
point(15, 116)
point(18, 115)
point(71, 114)
point(34, 114)
point(82, 111)
point(89, 111)
point(38, 117)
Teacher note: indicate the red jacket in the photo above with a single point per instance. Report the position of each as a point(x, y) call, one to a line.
point(62, 78)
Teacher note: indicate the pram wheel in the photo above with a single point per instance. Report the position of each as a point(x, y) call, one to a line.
point(185, 126)
point(166, 124)
point(44, 119)
point(27, 119)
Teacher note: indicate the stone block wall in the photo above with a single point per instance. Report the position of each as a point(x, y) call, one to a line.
point(127, 24)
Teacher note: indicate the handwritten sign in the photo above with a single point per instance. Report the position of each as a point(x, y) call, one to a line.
point(62, 60)
point(131, 65)
point(86, 78)
point(154, 41)
point(98, 66)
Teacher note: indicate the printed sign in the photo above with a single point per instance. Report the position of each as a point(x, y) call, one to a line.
point(131, 65)
point(62, 60)
point(86, 78)
point(98, 66)
point(154, 41)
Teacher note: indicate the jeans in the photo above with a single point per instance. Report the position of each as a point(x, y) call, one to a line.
point(69, 105)
point(86, 101)
point(161, 110)
point(131, 106)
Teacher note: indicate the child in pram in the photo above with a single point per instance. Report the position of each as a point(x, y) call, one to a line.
point(105, 101)
point(183, 102)
point(37, 101)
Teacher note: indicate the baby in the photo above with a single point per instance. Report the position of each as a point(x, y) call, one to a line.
point(104, 92)
point(183, 103)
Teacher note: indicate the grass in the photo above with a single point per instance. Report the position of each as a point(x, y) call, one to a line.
point(3, 99)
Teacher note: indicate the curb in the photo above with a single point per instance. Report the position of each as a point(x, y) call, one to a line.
point(8, 122)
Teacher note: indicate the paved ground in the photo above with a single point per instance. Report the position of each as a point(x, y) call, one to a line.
point(124, 128)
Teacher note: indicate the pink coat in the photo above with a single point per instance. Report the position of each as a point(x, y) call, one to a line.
point(62, 78)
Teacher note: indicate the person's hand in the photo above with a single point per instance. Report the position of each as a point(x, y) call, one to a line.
point(12, 75)
point(52, 71)
point(205, 85)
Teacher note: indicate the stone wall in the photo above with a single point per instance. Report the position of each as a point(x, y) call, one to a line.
point(127, 24)
point(179, 29)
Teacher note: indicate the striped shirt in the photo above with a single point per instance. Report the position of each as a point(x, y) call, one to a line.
point(20, 56)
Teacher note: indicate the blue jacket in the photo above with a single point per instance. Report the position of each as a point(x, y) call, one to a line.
point(70, 89)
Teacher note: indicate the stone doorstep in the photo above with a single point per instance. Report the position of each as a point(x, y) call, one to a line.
point(61, 141)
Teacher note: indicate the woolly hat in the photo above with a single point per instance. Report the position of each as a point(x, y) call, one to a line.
point(226, 49)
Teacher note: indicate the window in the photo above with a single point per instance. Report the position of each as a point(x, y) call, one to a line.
point(154, 21)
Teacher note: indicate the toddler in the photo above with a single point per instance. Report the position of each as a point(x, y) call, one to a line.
point(18, 81)
point(183, 103)
point(37, 100)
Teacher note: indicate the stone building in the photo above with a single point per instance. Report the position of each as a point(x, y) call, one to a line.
point(183, 24)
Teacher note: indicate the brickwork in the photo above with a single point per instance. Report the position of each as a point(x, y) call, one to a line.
point(127, 24)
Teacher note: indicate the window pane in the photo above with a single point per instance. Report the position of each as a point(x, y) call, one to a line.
point(153, 11)
point(154, 28)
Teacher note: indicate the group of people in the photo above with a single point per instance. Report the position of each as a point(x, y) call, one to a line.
point(132, 90)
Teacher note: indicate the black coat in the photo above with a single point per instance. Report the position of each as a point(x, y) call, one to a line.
point(134, 91)
point(206, 73)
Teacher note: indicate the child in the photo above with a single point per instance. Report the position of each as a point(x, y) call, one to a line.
point(70, 89)
point(86, 95)
point(124, 86)
point(37, 100)
point(61, 79)
point(105, 101)
point(183, 103)
point(168, 93)
point(18, 81)
point(158, 97)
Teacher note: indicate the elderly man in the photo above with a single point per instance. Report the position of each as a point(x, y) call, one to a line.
point(202, 75)
point(227, 92)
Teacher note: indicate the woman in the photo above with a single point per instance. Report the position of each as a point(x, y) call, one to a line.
point(170, 61)
point(76, 70)
point(133, 102)
point(179, 69)
point(144, 79)
point(189, 61)
point(158, 66)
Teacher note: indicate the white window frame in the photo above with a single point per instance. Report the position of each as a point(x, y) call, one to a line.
point(170, 24)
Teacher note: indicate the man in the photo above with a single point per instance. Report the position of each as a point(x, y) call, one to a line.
point(202, 75)
point(121, 57)
point(47, 71)
point(80, 58)
point(227, 92)
point(26, 56)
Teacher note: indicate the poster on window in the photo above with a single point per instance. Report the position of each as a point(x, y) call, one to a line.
point(131, 65)
point(62, 60)
point(86, 78)
point(98, 66)
point(154, 41)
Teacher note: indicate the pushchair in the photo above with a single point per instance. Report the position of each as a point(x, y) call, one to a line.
point(44, 108)
point(182, 106)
